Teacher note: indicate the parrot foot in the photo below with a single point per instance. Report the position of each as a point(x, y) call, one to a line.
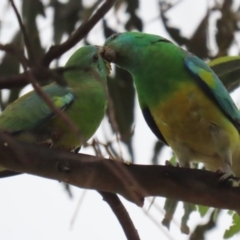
point(235, 183)
point(47, 143)
point(224, 174)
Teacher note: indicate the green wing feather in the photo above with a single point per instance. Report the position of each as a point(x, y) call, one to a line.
point(31, 110)
point(213, 87)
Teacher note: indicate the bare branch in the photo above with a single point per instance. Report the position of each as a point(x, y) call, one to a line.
point(117, 207)
point(189, 185)
point(24, 32)
point(15, 52)
point(42, 74)
point(121, 214)
point(13, 81)
point(57, 50)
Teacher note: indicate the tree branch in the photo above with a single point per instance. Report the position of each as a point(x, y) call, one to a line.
point(54, 52)
point(122, 215)
point(134, 182)
point(57, 50)
point(15, 52)
point(13, 81)
point(24, 33)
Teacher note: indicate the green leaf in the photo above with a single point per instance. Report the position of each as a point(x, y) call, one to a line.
point(198, 42)
point(228, 70)
point(66, 15)
point(234, 228)
point(107, 30)
point(188, 209)
point(30, 11)
point(170, 207)
point(122, 93)
point(134, 22)
point(203, 210)
point(157, 149)
point(226, 25)
point(223, 65)
point(175, 33)
point(9, 63)
point(230, 212)
point(173, 160)
point(200, 231)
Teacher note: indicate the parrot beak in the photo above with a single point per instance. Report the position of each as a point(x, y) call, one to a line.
point(109, 54)
point(101, 51)
point(108, 67)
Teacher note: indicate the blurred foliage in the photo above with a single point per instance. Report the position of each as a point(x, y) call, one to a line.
point(30, 11)
point(200, 231)
point(170, 207)
point(122, 94)
point(10, 65)
point(228, 69)
point(188, 209)
point(67, 15)
point(226, 27)
point(234, 228)
point(203, 210)
point(156, 152)
point(134, 22)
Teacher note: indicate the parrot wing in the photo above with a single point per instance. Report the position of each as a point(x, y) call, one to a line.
point(152, 125)
point(213, 87)
point(30, 111)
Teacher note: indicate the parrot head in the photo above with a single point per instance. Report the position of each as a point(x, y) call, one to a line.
point(117, 48)
point(88, 58)
point(125, 49)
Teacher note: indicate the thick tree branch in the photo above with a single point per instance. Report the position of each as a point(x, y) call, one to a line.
point(134, 182)
point(13, 81)
point(56, 51)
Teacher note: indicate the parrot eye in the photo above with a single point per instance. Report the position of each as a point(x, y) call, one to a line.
point(95, 58)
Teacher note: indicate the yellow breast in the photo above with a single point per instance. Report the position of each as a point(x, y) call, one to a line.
point(192, 122)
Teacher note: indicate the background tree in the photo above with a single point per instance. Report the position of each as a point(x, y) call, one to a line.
point(72, 21)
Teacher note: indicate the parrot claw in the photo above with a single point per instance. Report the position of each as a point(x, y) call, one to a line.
point(47, 143)
point(224, 174)
point(235, 183)
point(220, 171)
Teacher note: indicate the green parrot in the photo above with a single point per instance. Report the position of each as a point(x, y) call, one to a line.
point(183, 101)
point(84, 100)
